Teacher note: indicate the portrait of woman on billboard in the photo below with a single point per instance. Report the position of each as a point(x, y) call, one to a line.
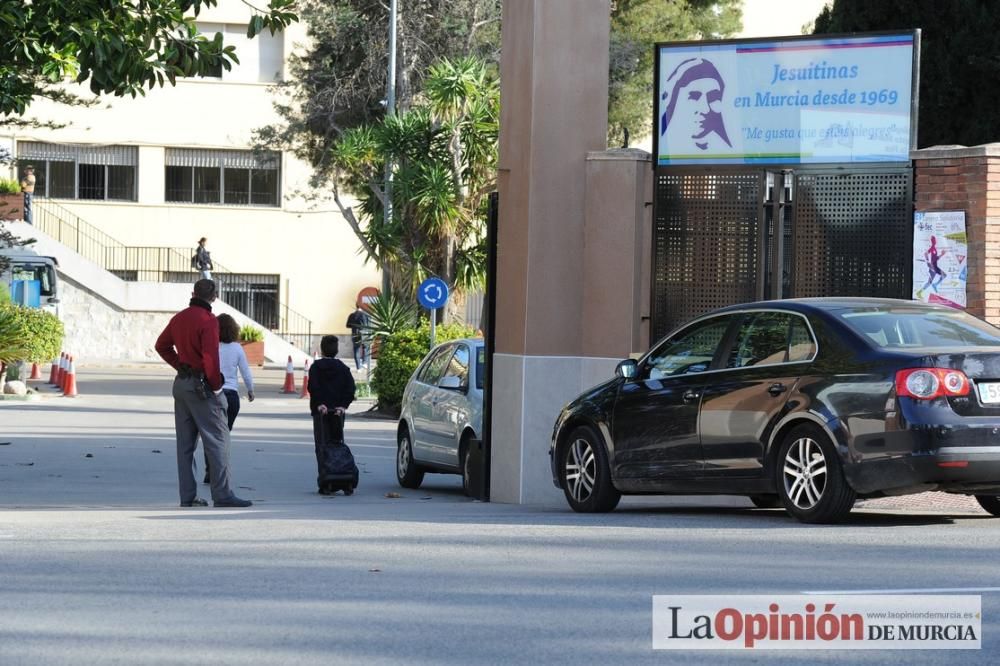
point(693, 120)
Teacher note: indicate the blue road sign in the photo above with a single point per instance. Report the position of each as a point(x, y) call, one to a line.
point(432, 293)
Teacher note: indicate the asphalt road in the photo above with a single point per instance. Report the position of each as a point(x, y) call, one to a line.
point(99, 565)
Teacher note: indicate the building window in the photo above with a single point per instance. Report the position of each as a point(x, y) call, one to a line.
point(262, 58)
point(229, 177)
point(67, 171)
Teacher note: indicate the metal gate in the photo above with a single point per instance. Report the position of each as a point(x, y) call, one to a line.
point(727, 236)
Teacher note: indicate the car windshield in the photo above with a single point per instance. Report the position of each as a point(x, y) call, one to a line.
point(918, 327)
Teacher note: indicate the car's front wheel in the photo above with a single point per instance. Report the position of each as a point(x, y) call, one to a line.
point(408, 473)
point(991, 503)
point(811, 482)
point(586, 474)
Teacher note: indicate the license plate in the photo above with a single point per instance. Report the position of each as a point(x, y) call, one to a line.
point(989, 393)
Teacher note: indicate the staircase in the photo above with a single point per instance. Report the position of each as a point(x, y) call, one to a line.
point(167, 265)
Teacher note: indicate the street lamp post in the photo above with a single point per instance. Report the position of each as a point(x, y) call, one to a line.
point(390, 111)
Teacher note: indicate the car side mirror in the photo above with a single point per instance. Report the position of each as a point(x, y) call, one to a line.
point(451, 382)
point(627, 369)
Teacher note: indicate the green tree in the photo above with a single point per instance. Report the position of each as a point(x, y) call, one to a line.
point(116, 47)
point(635, 26)
point(959, 60)
point(339, 82)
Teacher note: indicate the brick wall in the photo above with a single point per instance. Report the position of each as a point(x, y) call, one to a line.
point(960, 178)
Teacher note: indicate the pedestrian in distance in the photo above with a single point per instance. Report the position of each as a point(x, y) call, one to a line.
point(28, 190)
point(359, 322)
point(232, 361)
point(190, 345)
point(331, 391)
point(202, 260)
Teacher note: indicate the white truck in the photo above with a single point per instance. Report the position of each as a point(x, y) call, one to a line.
point(29, 266)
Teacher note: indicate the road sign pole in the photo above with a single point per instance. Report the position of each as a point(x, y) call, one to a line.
point(433, 325)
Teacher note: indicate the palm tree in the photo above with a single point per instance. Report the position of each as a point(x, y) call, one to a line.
point(444, 152)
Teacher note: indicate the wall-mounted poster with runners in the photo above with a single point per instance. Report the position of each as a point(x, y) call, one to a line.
point(940, 253)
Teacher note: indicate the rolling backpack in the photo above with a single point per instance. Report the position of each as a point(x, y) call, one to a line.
point(337, 469)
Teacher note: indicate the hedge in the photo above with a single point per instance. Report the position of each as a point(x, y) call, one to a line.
point(401, 353)
point(43, 330)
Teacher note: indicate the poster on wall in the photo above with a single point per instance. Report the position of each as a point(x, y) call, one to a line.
point(940, 254)
point(786, 101)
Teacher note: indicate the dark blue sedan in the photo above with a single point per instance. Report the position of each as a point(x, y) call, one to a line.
point(808, 404)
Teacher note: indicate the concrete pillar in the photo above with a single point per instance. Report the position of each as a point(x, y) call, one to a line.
point(554, 80)
point(618, 232)
point(960, 178)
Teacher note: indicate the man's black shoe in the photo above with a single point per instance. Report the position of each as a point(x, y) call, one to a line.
point(233, 502)
point(197, 501)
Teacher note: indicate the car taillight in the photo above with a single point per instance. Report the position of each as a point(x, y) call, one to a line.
point(930, 383)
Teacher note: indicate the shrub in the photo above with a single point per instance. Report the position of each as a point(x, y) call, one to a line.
point(400, 355)
point(386, 315)
point(250, 333)
point(9, 186)
point(42, 331)
point(14, 344)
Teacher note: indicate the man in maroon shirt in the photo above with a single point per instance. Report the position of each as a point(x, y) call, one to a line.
point(190, 344)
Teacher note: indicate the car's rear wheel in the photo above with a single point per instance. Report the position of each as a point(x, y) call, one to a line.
point(586, 474)
point(466, 466)
point(991, 503)
point(408, 473)
point(811, 482)
point(765, 501)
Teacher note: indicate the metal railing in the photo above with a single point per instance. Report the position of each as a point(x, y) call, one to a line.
point(170, 264)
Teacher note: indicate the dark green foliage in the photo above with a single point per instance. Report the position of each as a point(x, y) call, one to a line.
point(959, 60)
point(117, 47)
point(399, 356)
point(638, 24)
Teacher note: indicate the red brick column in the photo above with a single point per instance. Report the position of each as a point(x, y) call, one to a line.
point(960, 178)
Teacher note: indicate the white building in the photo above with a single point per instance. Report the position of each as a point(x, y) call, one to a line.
point(163, 170)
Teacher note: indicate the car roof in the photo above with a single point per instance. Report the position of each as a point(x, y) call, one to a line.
point(471, 341)
point(833, 304)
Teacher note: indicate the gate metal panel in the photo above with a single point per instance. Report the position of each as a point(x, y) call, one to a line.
point(705, 243)
point(853, 234)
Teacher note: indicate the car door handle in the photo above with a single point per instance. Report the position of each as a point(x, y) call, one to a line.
point(690, 395)
point(776, 389)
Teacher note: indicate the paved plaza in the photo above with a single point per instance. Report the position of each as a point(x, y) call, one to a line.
point(98, 564)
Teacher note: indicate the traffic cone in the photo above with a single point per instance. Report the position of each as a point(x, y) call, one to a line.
point(70, 390)
point(289, 386)
point(54, 372)
point(305, 381)
point(61, 370)
point(35, 372)
point(65, 375)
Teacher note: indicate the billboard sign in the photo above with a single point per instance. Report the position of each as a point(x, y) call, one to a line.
point(788, 100)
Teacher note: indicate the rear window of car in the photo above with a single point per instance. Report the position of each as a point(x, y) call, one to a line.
point(480, 366)
point(918, 327)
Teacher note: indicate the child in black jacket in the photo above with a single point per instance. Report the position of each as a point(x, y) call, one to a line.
point(331, 391)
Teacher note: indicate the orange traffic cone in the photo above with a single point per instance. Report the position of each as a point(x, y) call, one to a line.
point(70, 390)
point(55, 371)
point(65, 374)
point(305, 381)
point(289, 386)
point(35, 372)
point(61, 374)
